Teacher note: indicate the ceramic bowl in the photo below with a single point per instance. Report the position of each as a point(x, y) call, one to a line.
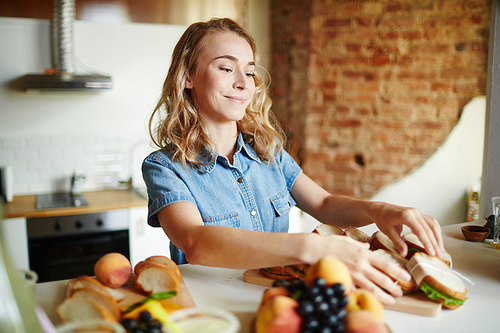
point(475, 233)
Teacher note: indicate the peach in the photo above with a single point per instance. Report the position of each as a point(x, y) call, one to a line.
point(361, 299)
point(113, 270)
point(278, 314)
point(332, 270)
point(273, 292)
point(363, 321)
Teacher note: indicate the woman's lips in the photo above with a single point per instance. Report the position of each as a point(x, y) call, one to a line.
point(236, 99)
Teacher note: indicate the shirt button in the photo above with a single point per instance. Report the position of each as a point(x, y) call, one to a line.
point(240, 180)
point(253, 212)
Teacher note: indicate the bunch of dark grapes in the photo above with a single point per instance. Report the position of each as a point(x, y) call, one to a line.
point(145, 324)
point(321, 306)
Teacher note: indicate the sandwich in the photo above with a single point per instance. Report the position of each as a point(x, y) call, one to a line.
point(408, 287)
point(415, 245)
point(327, 230)
point(285, 272)
point(380, 240)
point(357, 234)
point(437, 280)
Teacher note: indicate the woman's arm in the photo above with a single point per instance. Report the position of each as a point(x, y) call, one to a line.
point(343, 212)
point(235, 248)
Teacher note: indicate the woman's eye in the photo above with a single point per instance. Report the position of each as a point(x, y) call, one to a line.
point(227, 70)
point(251, 74)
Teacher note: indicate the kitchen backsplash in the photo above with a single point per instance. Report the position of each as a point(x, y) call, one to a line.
point(44, 164)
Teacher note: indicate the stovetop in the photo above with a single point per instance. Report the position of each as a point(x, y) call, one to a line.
point(59, 200)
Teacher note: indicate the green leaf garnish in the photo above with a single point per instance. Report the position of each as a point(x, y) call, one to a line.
point(435, 294)
point(156, 296)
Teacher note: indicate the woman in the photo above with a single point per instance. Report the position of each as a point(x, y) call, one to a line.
point(221, 185)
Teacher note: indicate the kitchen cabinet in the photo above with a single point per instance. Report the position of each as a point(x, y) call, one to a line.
point(15, 235)
point(145, 241)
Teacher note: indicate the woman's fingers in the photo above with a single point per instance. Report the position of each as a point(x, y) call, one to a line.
point(427, 229)
point(370, 271)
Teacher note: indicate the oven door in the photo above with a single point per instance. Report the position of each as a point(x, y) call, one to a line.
point(67, 257)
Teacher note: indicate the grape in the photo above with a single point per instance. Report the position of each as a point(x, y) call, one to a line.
point(314, 291)
point(280, 283)
point(343, 301)
point(342, 314)
point(129, 323)
point(339, 289)
point(320, 282)
point(306, 308)
point(145, 317)
point(311, 323)
point(137, 330)
point(321, 306)
point(324, 329)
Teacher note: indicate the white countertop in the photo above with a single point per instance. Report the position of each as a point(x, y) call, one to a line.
point(478, 263)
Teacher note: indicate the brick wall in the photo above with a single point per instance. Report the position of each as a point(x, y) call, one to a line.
point(368, 90)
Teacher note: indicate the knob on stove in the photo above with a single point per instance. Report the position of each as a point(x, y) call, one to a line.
point(58, 226)
point(99, 222)
point(79, 224)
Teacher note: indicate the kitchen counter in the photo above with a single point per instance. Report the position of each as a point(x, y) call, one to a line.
point(478, 263)
point(98, 201)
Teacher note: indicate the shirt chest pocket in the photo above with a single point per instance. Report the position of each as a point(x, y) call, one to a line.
point(282, 203)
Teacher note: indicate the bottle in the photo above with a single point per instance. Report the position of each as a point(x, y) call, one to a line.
point(473, 203)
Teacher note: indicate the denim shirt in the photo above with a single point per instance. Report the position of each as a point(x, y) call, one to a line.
point(248, 194)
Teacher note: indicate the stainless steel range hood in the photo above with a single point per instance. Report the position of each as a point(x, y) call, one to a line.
point(66, 83)
point(63, 78)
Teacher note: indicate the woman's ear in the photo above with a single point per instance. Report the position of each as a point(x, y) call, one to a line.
point(188, 83)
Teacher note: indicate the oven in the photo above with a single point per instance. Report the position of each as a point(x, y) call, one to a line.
point(65, 247)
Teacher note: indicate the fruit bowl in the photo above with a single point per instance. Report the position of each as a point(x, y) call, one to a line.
point(475, 233)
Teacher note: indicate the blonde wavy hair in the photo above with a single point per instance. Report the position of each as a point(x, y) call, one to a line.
point(179, 128)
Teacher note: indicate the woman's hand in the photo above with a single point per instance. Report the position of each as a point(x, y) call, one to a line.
point(391, 218)
point(368, 269)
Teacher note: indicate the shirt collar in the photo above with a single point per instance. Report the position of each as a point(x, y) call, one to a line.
point(240, 145)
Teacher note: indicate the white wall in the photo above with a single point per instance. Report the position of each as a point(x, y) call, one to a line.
point(439, 187)
point(48, 136)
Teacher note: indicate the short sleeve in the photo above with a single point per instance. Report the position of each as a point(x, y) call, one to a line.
point(291, 170)
point(164, 185)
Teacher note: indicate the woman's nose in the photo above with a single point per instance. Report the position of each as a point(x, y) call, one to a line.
point(240, 81)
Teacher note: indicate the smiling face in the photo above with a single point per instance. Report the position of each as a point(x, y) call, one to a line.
point(222, 83)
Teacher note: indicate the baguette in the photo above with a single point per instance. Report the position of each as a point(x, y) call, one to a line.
point(166, 261)
point(108, 302)
point(437, 280)
point(85, 281)
point(77, 309)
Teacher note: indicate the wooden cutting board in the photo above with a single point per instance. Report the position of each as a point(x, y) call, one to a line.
point(416, 303)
